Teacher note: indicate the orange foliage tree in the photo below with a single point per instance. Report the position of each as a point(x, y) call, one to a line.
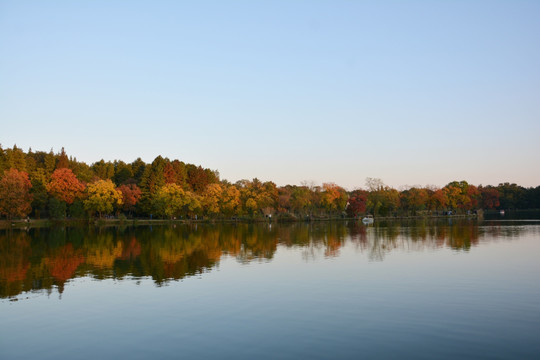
point(15, 197)
point(438, 200)
point(414, 199)
point(334, 197)
point(65, 186)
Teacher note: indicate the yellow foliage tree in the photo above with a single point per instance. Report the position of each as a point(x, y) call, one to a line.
point(102, 197)
point(230, 200)
point(210, 200)
point(257, 197)
point(193, 203)
point(171, 200)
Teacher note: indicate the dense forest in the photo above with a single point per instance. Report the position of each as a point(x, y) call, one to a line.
point(52, 185)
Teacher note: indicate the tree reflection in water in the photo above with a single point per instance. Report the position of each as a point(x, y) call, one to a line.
point(44, 259)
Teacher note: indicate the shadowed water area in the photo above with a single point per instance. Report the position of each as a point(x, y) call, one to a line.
point(418, 289)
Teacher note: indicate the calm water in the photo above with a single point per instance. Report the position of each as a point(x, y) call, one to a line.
point(458, 289)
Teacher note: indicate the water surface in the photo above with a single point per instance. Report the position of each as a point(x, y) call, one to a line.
point(420, 289)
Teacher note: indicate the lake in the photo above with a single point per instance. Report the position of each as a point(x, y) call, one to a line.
point(418, 289)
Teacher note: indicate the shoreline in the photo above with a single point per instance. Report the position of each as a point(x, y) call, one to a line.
point(48, 223)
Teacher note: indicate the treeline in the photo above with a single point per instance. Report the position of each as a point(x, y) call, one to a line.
point(52, 185)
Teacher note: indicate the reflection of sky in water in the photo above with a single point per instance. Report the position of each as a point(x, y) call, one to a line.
point(424, 300)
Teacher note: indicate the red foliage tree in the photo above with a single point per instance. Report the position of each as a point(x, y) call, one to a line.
point(197, 178)
point(357, 203)
point(65, 186)
point(131, 194)
point(15, 197)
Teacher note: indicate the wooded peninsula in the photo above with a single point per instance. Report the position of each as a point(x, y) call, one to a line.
point(48, 185)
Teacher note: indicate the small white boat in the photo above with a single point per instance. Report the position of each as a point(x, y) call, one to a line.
point(368, 219)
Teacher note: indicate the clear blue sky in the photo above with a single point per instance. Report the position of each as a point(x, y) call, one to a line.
point(412, 92)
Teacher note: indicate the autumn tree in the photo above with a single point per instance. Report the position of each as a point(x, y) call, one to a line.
point(180, 173)
point(170, 200)
point(65, 186)
point(461, 195)
point(437, 200)
point(489, 197)
point(414, 199)
point(357, 203)
point(131, 194)
point(197, 178)
point(268, 198)
point(210, 199)
point(193, 204)
point(334, 198)
point(257, 196)
point(301, 199)
point(229, 201)
point(15, 197)
point(284, 199)
point(102, 197)
point(169, 173)
point(390, 201)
